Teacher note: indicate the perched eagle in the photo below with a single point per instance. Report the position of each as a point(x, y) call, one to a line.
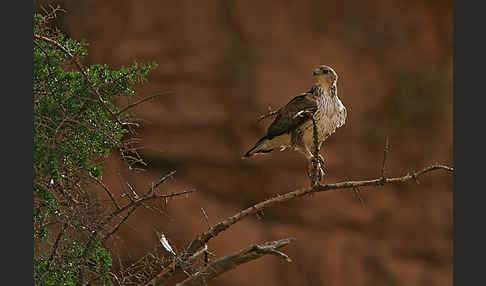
point(293, 126)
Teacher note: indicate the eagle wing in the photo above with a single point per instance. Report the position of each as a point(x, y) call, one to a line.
point(293, 114)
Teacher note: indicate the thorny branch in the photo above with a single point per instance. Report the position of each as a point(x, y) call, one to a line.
point(203, 238)
point(220, 227)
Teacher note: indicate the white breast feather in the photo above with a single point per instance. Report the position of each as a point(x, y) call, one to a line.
point(330, 115)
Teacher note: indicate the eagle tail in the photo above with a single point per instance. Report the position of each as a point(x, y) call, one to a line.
point(260, 147)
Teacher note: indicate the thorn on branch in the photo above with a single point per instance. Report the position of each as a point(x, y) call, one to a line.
point(385, 152)
point(357, 193)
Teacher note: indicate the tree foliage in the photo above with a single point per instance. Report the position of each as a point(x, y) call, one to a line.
point(76, 125)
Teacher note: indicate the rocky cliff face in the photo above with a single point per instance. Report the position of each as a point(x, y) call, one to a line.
point(227, 62)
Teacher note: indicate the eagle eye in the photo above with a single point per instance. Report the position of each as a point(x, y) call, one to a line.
point(325, 71)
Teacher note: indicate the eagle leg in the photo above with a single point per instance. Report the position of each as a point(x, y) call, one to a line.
point(320, 166)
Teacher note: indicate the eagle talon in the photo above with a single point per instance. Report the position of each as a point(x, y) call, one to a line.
point(320, 170)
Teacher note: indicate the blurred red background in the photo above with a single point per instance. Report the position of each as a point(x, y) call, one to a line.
point(227, 62)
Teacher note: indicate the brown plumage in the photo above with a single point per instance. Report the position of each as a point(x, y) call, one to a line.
point(292, 128)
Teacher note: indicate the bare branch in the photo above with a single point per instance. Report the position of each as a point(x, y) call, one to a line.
point(231, 261)
point(215, 230)
point(160, 181)
point(115, 229)
point(107, 190)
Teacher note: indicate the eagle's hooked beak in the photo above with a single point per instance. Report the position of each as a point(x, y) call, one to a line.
point(317, 72)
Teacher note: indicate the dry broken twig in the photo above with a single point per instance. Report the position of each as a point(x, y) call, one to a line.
point(231, 261)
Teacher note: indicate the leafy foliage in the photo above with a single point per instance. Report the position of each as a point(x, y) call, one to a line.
point(76, 125)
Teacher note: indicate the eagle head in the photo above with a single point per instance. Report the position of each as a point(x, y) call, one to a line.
point(325, 76)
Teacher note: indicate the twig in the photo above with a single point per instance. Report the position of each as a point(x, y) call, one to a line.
point(231, 261)
point(115, 229)
point(206, 218)
point(160, 181)
point(141, 101)
point(107, 190)
point(215, 230)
